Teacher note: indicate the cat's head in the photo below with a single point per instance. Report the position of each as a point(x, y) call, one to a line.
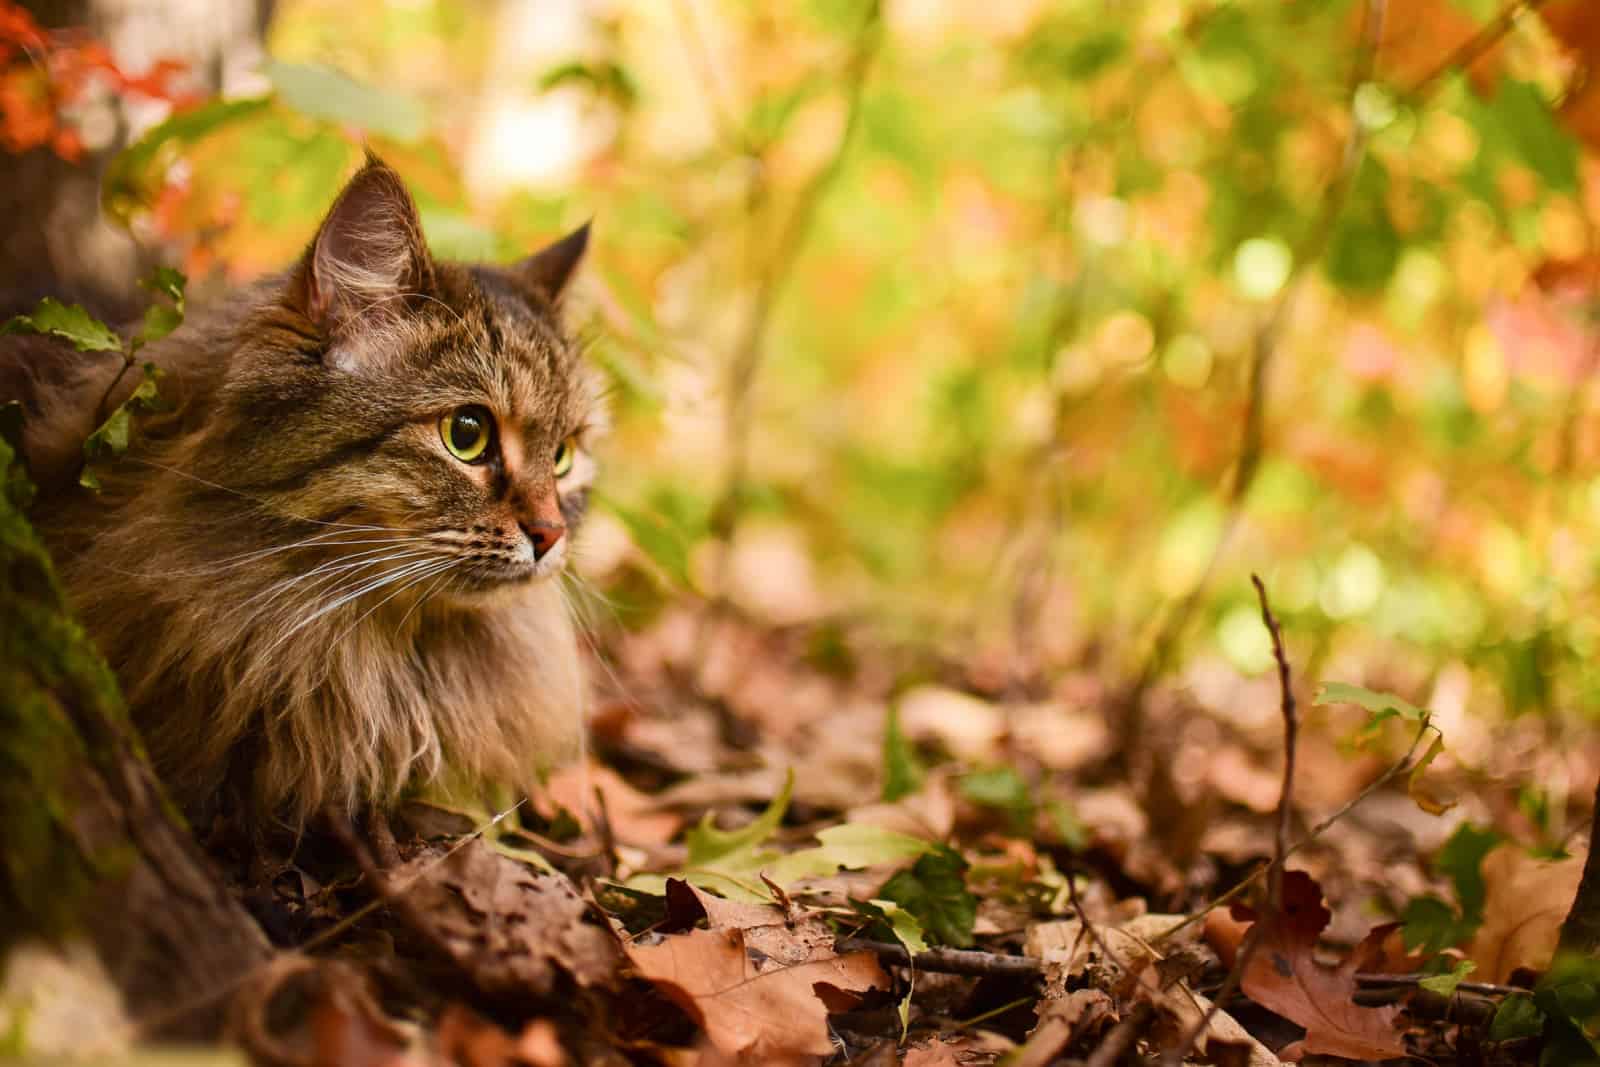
point(434, 410)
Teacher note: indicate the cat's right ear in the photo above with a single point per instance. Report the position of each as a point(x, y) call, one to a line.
point(368, 257)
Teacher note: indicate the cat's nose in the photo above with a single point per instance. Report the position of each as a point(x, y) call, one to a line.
point(543, 536)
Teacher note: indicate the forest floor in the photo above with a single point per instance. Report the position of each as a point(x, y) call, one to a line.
point(777, 851)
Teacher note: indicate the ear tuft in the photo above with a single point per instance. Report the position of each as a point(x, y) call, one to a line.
point(549, 270)
point(368, 255)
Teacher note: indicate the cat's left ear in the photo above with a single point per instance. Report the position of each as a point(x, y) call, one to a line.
point(549, 270)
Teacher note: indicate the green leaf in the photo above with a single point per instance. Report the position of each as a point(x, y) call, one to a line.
point(1445, 984)
point(656, 538)
point(111, 438)
point(605, 78)
point(1432, 925)
point(325, 93)
point(17, 486)
point(1461, 860)
point(70, 323)
point(1379, 703)
point(1519, 120)
point(132, 175)
point(934, 891)
point(711, 847)
point(1517, 1016)
point(169, 283)
point(902, 771)
point(1003, 789)
point(850, 846)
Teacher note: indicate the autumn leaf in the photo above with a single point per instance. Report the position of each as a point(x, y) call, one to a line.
point(750, 1002)
point(1284, 975)
point(1525, 901)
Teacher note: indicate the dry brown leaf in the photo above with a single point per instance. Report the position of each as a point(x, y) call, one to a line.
point(933, 1054)
point(1063, 1022)
point(1525, 901)
point(1284, 975)
point(1179, 1010)
point(512, 930)
point(750, 1002)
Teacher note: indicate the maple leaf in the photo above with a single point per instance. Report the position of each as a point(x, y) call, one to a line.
point(1284, 975)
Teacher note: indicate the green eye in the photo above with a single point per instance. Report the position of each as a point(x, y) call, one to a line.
point(566, 452)
point(466, 432)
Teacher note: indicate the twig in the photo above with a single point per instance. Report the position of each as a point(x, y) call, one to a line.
point(1473, 47)
point(1390, 981)
point(780, 267)
point(1089, 927)
point(1122, 1037)
point(1164, 645)
point(1280, 853)
point(969, 962)
point(1315, 832)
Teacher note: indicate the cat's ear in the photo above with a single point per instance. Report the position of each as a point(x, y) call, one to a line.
point(368, 256)
point(548, 270)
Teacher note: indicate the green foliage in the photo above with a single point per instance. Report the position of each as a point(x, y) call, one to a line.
point(902, 770)
point(68, 322)
point(934, 892)
point(325, 93)
point(1004, 790)
point(1446, 984)
point(710, 847)
point(1431, 924)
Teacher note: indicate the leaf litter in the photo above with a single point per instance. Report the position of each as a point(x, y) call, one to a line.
point(952, 909)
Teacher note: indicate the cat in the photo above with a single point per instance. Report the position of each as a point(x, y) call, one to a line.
point(329, 570)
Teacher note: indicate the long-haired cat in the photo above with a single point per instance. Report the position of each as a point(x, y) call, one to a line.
point(328, 571)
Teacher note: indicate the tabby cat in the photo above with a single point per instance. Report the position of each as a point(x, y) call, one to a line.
point(328, 571)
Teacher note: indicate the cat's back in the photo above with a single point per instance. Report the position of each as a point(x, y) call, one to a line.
point(59, 389)
point(65, 393)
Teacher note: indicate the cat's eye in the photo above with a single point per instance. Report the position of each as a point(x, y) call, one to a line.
point(466, 432)
point(566, 454)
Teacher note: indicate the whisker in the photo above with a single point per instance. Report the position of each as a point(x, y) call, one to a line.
point(263, 504)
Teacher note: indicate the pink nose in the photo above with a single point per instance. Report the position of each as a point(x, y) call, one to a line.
point(543, 535)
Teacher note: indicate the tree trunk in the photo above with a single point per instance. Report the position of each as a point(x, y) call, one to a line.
point(92, 846)
point(1581, 930)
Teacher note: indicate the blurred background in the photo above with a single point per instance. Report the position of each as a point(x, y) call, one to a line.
point(993, 344)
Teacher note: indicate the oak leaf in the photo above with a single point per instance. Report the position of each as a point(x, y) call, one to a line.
point(1284, 975)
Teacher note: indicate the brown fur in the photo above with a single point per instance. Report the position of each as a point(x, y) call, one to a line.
point(305, 596)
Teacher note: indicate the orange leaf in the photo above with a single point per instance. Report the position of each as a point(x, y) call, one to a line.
point(749, 1002)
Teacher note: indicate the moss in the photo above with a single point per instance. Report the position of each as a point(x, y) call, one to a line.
point(60, 716)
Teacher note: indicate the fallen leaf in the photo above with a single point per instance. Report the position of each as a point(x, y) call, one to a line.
point(1063, 1022)
point(747, 1000)
point(1284, 975)
point(510, 929)
point(636, 818)
point(1525, 902)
